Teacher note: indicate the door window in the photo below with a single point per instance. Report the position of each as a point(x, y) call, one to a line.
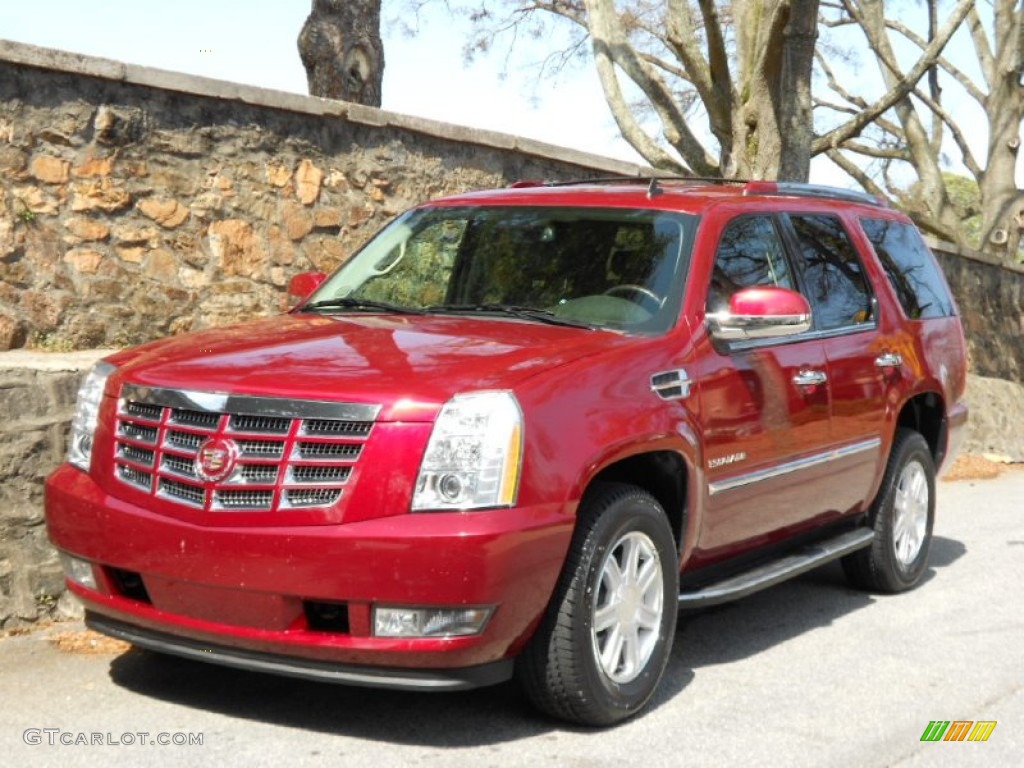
point(832, 272)
point(750, 253)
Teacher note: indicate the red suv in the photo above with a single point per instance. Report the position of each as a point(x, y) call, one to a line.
point(516, 433)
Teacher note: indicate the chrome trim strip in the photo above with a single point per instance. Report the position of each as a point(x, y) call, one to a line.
point(846, 330)
point(794, 466)
point(249, 405)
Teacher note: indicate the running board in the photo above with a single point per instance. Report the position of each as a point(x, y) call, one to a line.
point(771, 573)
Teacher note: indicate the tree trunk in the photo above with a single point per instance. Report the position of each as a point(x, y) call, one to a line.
point(342, 52)
point(772, 125)
point(795, 105)
point(1003, 203)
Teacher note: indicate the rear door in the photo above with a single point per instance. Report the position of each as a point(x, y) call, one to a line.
point(859, 356)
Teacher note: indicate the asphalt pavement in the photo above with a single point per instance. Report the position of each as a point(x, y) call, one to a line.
point(809, 673)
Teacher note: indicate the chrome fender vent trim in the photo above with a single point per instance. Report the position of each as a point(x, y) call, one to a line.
point(671, 385)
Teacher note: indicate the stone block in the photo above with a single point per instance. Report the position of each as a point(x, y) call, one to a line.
point(167, 212)
point(100, 195)
point(94, 166)
point(84, 260)
point(49, 169)
point(83, 229)
point(307, 182)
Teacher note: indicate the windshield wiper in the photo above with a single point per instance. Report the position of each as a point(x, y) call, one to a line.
point(532, 314)
point(349, 302)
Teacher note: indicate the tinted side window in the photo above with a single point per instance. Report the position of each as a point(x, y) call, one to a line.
point(749, 253)
point(911, 268)
point(837, 288)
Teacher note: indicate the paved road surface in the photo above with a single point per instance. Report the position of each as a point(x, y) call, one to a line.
point(810, 673)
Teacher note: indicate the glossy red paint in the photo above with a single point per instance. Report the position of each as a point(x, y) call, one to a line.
point(768, 301)
point(303, 284)
point(819, 406)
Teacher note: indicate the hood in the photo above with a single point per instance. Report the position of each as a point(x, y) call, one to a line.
point(409, 364)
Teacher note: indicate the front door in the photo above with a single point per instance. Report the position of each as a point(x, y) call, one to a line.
point(764, 406)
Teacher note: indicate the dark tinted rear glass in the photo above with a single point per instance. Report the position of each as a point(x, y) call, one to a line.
point(911, 268)
point(832, 271)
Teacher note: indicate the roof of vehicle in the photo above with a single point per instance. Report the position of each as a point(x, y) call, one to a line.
point(668, 192)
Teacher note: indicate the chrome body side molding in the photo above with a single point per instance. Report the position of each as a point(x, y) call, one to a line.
point(797, 465)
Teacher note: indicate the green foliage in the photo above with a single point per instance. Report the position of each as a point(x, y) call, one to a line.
point(416, 272)
point(26, 215)
point(48, 342)
point(966, 197)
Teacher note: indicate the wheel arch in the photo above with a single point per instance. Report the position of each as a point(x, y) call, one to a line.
point(925, 413)
point(665, 474)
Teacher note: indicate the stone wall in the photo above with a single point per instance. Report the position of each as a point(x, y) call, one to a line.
point(37, 397)
point(135, 203)
point(991, 301)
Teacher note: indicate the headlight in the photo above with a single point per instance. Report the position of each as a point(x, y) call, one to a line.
point(87, 410)
point(474, 453)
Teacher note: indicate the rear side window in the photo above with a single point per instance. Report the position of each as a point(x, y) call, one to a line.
point(833, 272)
point(911, 268)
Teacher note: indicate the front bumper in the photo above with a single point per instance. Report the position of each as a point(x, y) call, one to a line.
point(305, 669)
point(240, 595)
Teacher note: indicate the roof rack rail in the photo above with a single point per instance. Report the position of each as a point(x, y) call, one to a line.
point(750, 187)
point(647, 180)
point(799, 189)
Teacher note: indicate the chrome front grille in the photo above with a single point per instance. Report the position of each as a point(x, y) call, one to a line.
point(277, 454)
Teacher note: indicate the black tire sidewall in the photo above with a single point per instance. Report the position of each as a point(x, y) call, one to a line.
point(911, 447)
point(636, 512)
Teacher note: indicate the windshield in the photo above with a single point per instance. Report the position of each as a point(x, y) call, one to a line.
point(608, 268)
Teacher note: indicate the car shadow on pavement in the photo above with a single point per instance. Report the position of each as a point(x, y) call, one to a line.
point(453, 719)
point(499, 714)
point(738, 630)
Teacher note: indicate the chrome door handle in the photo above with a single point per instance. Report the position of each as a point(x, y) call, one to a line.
point(889, 360)
point(809, 378)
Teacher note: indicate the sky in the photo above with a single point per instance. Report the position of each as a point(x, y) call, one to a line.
point(424, 74)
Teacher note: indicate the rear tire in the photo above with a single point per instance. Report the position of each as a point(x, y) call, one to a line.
point(902, 516)
point(603, 644)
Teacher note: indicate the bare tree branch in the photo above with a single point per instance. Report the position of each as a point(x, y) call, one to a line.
point(900, 91)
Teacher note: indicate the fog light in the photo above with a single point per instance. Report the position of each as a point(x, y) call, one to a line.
point(78, 571)
point(429, 622)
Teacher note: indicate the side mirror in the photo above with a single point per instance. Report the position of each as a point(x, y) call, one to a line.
point(761, 312)
point(302, 285)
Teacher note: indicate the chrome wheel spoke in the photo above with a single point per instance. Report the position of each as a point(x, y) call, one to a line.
point(628, 608)
point(649, 576)
point(605, 617)
point(632, 656)
point(649, 617)
point(910, 513)
point(611, 653)
point(611, 576)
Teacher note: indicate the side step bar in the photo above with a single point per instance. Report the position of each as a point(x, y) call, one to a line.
point(771, 573)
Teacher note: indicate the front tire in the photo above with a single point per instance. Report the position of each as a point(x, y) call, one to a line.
point(902, 516)
point(605, 640)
